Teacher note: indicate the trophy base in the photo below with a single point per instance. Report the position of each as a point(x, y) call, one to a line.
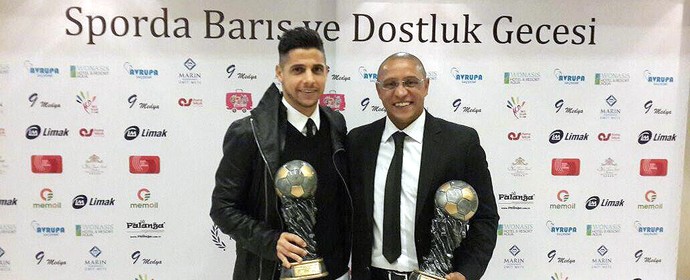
point(306, 270)
point(419, 275)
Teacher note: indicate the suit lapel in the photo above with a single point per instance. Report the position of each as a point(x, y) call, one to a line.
point(369, 164)
point(430, 154)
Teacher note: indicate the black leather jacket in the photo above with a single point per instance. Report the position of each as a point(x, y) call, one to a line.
point(244, 204)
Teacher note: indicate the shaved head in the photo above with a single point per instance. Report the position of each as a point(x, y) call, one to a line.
point(403, 56)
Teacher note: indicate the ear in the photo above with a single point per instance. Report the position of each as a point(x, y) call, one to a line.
point(279, 73)
point(426, 86)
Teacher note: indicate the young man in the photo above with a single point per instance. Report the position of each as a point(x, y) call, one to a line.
point(283, 127)
point(394, 209)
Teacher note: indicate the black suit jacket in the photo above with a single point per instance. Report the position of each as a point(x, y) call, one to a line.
point(449, 152)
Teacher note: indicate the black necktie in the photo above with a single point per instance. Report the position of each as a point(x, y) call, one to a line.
point(391, 202)
point(311, 128)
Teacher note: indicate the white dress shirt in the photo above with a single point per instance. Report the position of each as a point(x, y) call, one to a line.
point(412, 157)
point(299, 120)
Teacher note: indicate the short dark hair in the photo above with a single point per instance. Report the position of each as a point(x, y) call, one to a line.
point(298, 38)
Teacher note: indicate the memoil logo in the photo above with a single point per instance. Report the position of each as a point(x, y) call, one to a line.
point(144, 164)
point(657, 80)
point(653, 167)
point(565, 167)
point(46, 164)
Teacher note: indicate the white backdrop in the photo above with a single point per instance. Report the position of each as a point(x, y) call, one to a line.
point(585, 68)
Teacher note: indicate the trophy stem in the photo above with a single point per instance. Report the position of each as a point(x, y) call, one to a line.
point(306, 270)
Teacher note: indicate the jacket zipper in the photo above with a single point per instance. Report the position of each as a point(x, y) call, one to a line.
point(266, 170)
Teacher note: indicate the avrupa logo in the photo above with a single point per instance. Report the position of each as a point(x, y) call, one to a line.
point(657, 80)
point(43, 72)
point(465, 78)
point(568, 79)
point(140, 73)
point(366, 75)
point(560, 230)
point(46, 231)
point(648, 230)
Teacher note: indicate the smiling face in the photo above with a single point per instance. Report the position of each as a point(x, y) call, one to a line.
point(403, 104)
point(303, 75)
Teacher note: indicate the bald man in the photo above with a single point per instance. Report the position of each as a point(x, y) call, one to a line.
point(402, 159)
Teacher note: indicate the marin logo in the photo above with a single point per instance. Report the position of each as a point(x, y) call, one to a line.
point(657, 80)
point(602, 261)
point(610, 113)
point(568, 110)
point(514, 262)
point(95, 264)
point(140, 73)
point(465, 78)
point(189, 77)
point(568, 79)
point(238, 101)
point(43, 72)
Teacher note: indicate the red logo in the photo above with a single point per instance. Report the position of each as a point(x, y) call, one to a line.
point(186, 102)
point(144, 164)
point(46, 164)
point(238, 101)
point(335, 101)
point(609, 137)
point(650, 196)
point(91, 132)
point(565, 167)
point(653, 167)
point(563, 195)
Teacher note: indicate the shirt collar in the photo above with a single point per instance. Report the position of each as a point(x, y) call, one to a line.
point(415, 130)
point(297, 119)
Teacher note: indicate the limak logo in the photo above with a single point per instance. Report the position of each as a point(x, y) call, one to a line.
point(43, 72)
point(33, 131)
point(465, 78)
point(132, 133)
point(594, 202)
point(657, 80)
point(140, 73)
point(366, 75)
point(568, 79)
point(647, 136)
point(81, 200)
point(558, 136)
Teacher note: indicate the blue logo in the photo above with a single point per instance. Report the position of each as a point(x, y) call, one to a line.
point(568, 79)
point(366, 75)
point(140, 73)
point(95, 252)
point(465, 78)
point(657, 80)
